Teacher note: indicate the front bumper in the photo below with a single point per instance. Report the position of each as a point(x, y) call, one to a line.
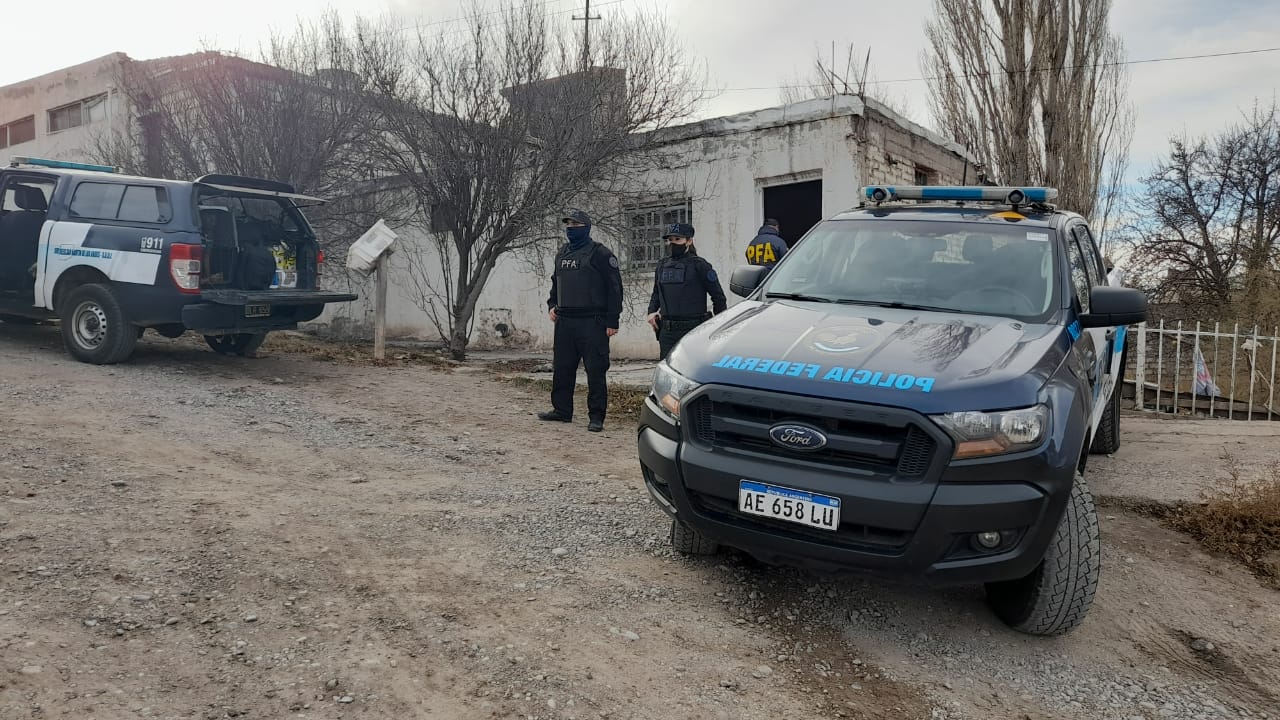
point(916, 527)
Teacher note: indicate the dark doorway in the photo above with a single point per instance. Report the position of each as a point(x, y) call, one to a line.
point(797, 207)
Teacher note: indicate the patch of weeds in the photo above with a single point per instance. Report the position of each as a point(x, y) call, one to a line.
point(1241, 519)
point(517, 365)
point(625, 402)
point(352, 353)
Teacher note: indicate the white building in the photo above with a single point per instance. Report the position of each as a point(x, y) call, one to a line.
point(60, 115)
point(798, 163)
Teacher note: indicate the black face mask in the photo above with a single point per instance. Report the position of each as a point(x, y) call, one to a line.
point(678, 251)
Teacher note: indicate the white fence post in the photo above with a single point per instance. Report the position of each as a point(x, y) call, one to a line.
point(1235, 338)
point(1159, 364)
point(1271, 399)
point(1195, 354)
point(1253, 368)
point(1140, 372)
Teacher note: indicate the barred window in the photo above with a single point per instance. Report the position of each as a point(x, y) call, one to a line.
point(645, 225)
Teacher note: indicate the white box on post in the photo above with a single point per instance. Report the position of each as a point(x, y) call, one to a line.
point(367, 254)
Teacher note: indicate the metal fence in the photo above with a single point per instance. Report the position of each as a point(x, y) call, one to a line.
point(1204, 370)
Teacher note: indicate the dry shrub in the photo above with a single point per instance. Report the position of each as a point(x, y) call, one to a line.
point(1240, 519)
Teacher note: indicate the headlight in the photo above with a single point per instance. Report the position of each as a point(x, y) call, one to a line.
point(979, 434)
point(669, 388)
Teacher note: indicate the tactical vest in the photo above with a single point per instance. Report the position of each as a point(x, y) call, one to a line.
point(760, 252)
point(579, 285)
point(681, 294)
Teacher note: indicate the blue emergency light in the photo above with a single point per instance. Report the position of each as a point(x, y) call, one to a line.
point(60, 164)
point(1011, 195)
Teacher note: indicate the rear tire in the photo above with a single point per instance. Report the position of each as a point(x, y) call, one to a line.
point(94, 327)
point(1057, 595)
point(687, 541)
point(236, 344)
point(1107, 440)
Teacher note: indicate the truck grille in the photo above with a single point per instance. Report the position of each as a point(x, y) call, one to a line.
point(849, 535)
point(904, 449)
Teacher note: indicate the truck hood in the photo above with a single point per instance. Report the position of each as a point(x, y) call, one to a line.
point(932, 362)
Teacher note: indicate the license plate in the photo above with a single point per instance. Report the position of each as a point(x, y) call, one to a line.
point(257, 311)
point(797, 506)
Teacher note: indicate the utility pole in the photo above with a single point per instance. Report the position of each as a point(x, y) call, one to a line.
point(586, 35)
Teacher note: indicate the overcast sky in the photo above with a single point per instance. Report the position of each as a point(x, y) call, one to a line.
point(745, 44)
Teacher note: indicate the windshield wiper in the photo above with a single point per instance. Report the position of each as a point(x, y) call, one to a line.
point(896, 305)
point(797, 296)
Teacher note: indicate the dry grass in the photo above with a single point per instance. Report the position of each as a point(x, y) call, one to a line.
point(1240, 520)
point(519, 365)
point(624, 402)
point(351, 353)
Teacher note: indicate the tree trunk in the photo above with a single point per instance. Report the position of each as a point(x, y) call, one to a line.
point(469, 290)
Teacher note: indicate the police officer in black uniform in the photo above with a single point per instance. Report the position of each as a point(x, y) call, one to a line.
point(681, 285)
point(586, 305)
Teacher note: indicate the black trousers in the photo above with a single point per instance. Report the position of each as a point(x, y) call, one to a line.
point(670, 332)
point(580, 340)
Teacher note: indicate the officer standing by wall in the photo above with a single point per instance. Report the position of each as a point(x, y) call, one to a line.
point(681, 285)
point(768, 247)
point(585, 304)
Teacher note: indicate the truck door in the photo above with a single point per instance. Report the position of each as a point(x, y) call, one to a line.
point(1104, 346)
point(24, 207)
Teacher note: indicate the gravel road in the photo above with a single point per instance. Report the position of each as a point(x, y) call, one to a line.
point(193, 536)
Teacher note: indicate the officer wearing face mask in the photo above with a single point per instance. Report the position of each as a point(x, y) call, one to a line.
point(585, 304)
point(681, 285)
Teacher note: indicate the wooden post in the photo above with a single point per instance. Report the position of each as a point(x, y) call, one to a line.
point(380, 311)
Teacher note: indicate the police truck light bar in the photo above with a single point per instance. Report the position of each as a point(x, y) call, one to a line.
point(60, 164)
point(1011, 195)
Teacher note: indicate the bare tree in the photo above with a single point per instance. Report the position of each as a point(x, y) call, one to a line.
point(1037, 90)
point(839, 72)
point(294, 115)
point(1209, 228)
point(497, 129)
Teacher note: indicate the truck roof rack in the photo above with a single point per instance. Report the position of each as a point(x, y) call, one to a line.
point(19, 160)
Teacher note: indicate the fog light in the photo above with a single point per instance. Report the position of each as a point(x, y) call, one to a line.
point(989, 540)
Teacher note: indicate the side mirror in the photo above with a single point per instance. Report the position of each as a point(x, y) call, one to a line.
point(1114, 306)
point(746, 278)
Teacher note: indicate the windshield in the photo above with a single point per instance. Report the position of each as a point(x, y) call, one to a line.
point(985, 269)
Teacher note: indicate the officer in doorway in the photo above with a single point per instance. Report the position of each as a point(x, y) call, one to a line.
point(768, 247)
point(585, 304)
point(681, 285)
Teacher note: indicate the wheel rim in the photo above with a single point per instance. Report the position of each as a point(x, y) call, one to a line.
point(89, 325)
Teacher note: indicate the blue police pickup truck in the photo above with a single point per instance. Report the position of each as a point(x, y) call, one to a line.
point(109, 255)
point(912, 392)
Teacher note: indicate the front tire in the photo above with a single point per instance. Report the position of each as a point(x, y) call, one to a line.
point(1057, 595)
point(236, 343)
point(687, 541)
point(94, 326)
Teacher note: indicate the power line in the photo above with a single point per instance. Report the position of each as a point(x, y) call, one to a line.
point(1026, 71)
point(476, 16)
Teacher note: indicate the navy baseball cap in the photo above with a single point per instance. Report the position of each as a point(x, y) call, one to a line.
point(577, 215)
point(684, 230)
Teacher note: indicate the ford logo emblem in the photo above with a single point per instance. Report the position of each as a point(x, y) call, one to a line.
point(797, 437)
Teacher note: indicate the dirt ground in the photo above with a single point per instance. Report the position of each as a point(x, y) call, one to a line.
point(194, 536)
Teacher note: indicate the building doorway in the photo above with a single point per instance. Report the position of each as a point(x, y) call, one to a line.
point(796, 206)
